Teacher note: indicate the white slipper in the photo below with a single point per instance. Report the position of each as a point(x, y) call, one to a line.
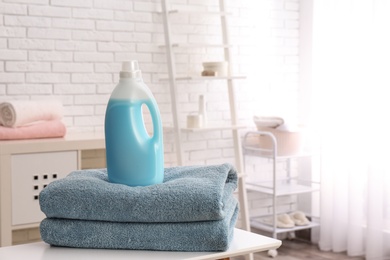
point(282, 221)
point(285, 221)
point(299, 218)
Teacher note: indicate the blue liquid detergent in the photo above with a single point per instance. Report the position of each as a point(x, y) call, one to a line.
point(133, 157)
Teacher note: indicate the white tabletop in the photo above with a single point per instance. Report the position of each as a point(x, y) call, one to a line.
point(243, 243)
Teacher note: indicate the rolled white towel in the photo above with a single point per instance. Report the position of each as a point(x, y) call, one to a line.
point(16, 113)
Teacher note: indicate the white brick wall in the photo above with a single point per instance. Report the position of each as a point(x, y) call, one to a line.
point(72, 50)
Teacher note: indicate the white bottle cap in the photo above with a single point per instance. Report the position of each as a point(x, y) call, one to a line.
point(130, 69)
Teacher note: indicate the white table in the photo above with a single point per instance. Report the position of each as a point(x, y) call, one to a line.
point(243, 243)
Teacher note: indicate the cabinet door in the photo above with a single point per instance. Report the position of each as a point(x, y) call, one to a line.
point(30, 174)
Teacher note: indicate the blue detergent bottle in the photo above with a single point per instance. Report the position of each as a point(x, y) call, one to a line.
point(133, 156)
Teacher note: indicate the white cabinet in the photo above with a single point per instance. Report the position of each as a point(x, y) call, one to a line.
point(279, 185)
point(26, 166)
point(30, 174)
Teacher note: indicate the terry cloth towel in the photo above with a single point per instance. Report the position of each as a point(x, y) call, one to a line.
point(45, 129)
point(267, 121)
point(189, 193)
point(16, 113)
point(186, 236)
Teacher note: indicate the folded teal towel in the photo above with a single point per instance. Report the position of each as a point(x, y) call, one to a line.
point(186, 236)
point(189, 193)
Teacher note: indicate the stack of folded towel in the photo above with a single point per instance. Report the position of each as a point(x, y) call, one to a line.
point(288, 134)
point(194, 209)
point(268, 121)
point(25, 119)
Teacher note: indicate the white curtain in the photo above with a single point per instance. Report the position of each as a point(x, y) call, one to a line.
point(351, 94)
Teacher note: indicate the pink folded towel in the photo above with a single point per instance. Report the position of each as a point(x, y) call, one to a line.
point(44, 129)
point(16, 113)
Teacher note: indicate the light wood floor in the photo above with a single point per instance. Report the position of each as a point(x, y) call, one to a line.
point(298, 249)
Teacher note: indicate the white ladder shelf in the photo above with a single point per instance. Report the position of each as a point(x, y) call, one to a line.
point(169, 47)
